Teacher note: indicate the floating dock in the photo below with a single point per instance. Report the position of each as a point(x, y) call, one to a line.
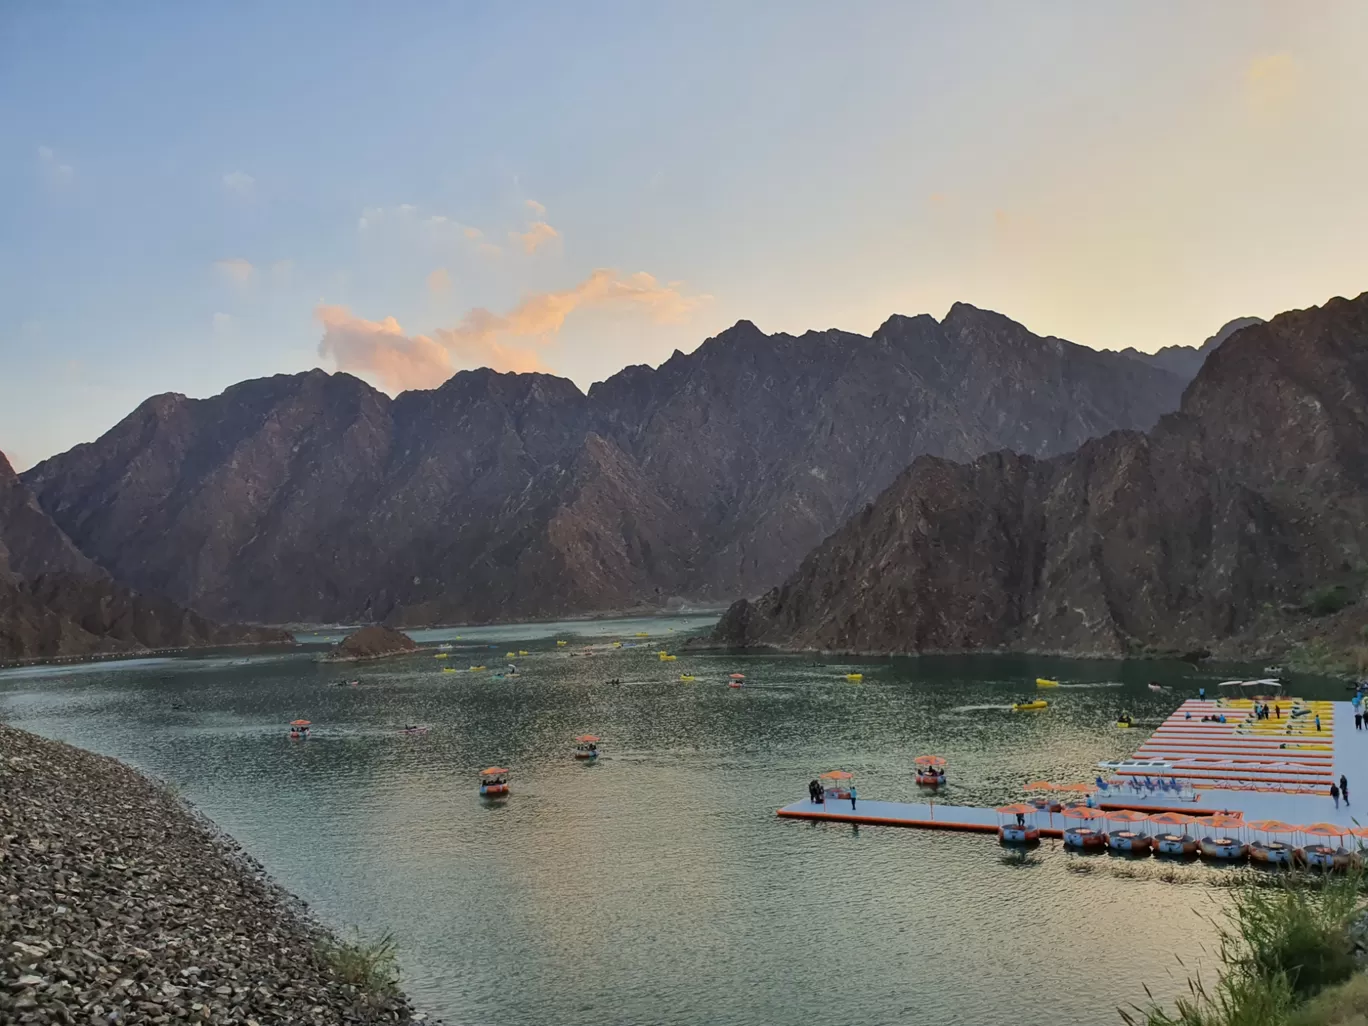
point(1280, 768)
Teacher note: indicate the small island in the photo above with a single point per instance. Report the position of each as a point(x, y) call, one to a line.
point(371, 643)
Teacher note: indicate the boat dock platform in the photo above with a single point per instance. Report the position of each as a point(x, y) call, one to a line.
point(1279, 768)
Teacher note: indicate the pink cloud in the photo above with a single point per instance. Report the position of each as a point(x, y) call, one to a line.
point(511, 341)
point(538, 234)
point(381, 349)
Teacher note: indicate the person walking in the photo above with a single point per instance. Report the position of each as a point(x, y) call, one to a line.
point(852, 797)
point(1277, 711)
point(1317, 723)
point(1334, 793)
point(1344, 789)
point(1358, 721)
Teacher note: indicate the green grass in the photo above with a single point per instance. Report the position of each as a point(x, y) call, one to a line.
point(371, 966)
point(1284, 947)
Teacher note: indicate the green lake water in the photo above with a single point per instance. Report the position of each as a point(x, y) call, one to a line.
point(658, 886)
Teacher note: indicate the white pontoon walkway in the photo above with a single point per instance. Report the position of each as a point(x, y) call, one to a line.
point(1279, 768)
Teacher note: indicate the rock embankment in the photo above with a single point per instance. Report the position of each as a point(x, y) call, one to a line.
point(371, 643)
point(119, 905)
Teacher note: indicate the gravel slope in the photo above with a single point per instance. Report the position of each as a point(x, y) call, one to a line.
point(120, 905)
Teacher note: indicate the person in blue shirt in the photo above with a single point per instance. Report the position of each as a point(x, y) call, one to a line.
point(852, 797)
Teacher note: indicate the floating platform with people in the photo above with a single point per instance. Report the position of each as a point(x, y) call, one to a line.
point(1225, 779)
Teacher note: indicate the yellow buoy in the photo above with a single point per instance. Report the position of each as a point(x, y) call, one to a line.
point(474, 668)
point(560, 644)
point(448, 669)
point(522, 651)
point(510, 655)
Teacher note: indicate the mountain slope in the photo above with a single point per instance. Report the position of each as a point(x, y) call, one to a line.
point(54, 601)
point(1217, 523)
point(315, 497)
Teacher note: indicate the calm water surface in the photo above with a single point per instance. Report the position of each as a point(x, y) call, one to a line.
point(658, 886)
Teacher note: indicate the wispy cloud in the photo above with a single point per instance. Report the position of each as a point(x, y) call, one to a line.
point(223, 323)
point(239, 183)
point(511, 341)
point(538, 234)
point(235, 269)
point(439, 282)
point(536, 207)
point(54, 170)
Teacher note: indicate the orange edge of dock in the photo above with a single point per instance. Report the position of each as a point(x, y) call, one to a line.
point(922, 824)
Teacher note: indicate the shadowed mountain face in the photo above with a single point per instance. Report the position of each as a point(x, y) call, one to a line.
point(55, 601)
point(1216, 523)
point(315, 497)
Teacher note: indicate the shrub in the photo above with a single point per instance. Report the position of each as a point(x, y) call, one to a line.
point(1281, 946)
point(369, 966)
point(1330, 599)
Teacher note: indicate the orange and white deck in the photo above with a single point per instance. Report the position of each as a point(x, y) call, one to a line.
point(1280, 768)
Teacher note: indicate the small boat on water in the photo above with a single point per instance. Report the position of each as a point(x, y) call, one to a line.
point(1045, 682)
point(1224, 849)
point(1175, 844)
point(440, 655)
point(1036, 705)
point(494, 782)
point(736, 680)
point(665, 657)
point(1084, 838)
point(586, 746)
point(1155, 686)
point(687, 676)
point(444, 647)
point(930, 770)
point(1272, 852)
point(854, 678)
point(299, 729)
point(476, 669)
point(1019, 831)
point(561, 644)
point(414, 731)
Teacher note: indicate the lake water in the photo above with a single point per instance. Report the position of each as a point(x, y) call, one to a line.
point(658, 886)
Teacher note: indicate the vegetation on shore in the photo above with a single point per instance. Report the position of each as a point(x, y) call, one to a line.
point(1288, 955)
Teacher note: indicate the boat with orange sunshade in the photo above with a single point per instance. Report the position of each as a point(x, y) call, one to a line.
point(586, 746)
point(299, 729)
point(494, 782)
point(836, 784)
point(1083, 837)
point(930, 770)
point(1134, 841)
point(1020, 832)
point(1174, 842)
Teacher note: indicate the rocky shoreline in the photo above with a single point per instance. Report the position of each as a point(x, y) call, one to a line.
point(121, 905)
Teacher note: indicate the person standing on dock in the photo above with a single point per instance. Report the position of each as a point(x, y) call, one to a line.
point(1358, 721)
point(1317, 723)
point(852, 797)
point(1334, 793)
point(1344, 789)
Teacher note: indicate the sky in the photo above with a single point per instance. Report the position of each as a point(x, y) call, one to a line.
point(195, 194)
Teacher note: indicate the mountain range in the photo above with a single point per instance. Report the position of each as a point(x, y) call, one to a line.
point(315, 497)
point(1240, 520)
point(55, 601)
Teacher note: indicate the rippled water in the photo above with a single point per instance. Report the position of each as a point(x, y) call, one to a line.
point(658, 886)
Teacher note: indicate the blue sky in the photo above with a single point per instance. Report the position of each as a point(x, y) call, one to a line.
point(197, 194)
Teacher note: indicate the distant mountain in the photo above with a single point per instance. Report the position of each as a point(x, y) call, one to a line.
point(54, 601)
point(1186, 361)
point(1231, 519)
point(314, 497)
